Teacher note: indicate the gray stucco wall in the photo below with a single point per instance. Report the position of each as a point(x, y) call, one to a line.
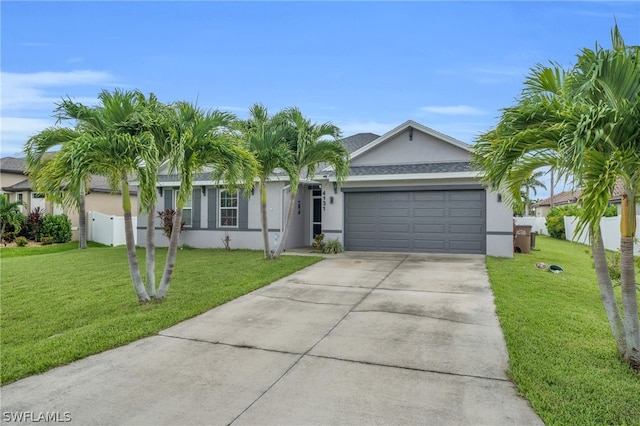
point(422, 148)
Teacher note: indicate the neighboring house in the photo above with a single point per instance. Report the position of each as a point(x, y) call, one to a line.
point(542, 208)
point(100, 198)
point(616, 198)
point(409, 190)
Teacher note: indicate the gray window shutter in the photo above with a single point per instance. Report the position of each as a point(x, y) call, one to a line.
point(243, 211)
point(168, 200)
point(195, 208)
point(212, 200)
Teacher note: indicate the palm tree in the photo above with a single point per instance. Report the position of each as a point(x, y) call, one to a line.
point(531, 184)
point(111, 143)
point(9, 214)
point(198, 139)
point(267, 140)
point(311, 145)
point(36, 149)
point(582, 122)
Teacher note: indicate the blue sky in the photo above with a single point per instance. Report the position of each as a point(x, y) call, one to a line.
point(364, 66)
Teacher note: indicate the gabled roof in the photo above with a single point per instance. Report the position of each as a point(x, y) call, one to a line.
point(409, 124)
point(357, 141)
point(566, 197)
point(13, 165)
point(97, 184)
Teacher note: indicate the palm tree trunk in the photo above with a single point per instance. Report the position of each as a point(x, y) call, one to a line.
point(629, 302)
point(285, 231)
point(82, 220)
point(134, 268)
point(151, 254)
point(263, 218)
point(627, 279)
point(171, 255)
point(608, 296)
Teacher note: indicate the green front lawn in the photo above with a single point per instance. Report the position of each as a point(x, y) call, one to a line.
point(60, 307)
point(562, 354)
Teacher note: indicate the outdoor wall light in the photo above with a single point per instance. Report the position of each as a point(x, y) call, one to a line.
point(204, 191)
point(335, 187)
point(253, 190)
point(160, 190)
point(499, 197)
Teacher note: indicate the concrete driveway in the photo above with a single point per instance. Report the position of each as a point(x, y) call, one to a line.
point(359, 338)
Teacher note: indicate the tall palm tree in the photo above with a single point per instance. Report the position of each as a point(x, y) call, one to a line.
point(583, 122)
point(311, 145)
point(9, 214)
point(111, 143)
point(36, 149)
point(531, 184)
point(198, 139)
point(267, 140)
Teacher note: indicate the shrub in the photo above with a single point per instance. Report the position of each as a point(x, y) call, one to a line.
point(21, 241)
point(34, 223)
point(318, 242)
point(333, 247)
point(11, 231)
point(555, 219)
point(167, 222)
point(58, 227)
point(46, 241)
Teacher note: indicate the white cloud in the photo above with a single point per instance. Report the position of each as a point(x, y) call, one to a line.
point(28, 100)
point(14, 131)
point(453, 110)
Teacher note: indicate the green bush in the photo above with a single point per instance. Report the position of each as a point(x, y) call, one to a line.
point(555, 219)
point(46, 241)
point(21, 241)
point(333, 247)
point(57, 227)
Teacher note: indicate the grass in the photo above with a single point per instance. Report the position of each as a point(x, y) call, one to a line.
point(562, 354)
point(8, 252)
point(58, 307)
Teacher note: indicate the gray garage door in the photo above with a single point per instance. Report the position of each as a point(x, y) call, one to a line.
point(416, 221)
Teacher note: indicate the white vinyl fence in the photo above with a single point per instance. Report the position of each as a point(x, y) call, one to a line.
point(610, 227)
point(538, 224)
point(108, 230)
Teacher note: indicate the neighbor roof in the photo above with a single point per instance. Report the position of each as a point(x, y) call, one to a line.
point(97, 184)
point(566, 197)
point(13, 165)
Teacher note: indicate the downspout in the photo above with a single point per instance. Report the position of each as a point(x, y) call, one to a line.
point(283, 217)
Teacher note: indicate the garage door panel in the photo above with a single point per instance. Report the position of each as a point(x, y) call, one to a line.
point(423, 221)
point(391, 212)
point(393, 243)
point(429, 228)
point(431, 196)
point(394, 227)
point(394, 197)
point(430, 212)
point(359, 212)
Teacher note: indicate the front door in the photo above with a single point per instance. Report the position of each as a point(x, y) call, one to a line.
point(316, 211)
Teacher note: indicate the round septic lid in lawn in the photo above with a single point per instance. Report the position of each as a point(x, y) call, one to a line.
point(556, 269)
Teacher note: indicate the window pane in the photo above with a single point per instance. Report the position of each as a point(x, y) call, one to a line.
point(186, 216)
